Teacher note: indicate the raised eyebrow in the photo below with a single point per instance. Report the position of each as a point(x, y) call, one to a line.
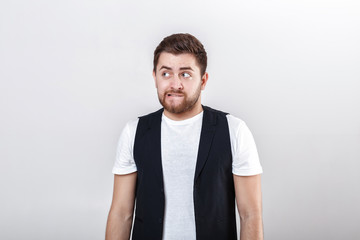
point(165, 67)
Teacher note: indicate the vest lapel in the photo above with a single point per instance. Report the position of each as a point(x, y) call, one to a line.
point(206, 138)
point(154, 133)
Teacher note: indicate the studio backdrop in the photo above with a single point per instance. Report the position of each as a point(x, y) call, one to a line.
point(72, 73)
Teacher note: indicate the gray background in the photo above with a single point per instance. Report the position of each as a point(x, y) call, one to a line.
point(74, 72)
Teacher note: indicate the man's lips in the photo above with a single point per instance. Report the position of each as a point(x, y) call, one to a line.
point(174, 95)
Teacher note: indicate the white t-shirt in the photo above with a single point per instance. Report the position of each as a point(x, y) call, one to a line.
point(179, 149)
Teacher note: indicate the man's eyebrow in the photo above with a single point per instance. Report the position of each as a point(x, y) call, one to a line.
point(168, 68)
point(186, 68)
point(182, 68)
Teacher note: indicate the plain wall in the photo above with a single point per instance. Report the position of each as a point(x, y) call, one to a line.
point(72, 73)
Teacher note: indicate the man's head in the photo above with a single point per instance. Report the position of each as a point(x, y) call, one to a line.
point(180, 73)
point(182, 43)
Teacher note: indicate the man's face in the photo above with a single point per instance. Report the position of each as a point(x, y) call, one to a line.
point(178, 82)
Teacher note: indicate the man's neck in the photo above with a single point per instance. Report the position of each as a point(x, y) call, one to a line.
point(184, 115)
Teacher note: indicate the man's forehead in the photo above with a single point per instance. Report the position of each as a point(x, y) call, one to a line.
point(177, 60)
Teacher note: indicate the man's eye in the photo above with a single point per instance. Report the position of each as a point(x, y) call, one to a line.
point(166, 74)
point(186, 75)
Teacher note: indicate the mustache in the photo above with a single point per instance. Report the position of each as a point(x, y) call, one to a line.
point(174, 91)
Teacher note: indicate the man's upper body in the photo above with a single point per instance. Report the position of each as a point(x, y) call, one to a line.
point(180, 76)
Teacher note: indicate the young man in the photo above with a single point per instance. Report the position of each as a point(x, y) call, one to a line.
point(186, 163)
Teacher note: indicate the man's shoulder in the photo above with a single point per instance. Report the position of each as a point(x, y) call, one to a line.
point(230, 117)
point(214, 110)
point(234, 122)
point(144, 122)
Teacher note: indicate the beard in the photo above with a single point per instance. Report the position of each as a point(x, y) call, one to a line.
point(187, 103)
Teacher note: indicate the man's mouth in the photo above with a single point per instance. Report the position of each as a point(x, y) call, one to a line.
point(174, 95)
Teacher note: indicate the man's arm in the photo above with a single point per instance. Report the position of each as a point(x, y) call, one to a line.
point(248, 199)
point(121, 212)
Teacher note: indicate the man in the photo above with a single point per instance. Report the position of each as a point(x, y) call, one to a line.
point(186, 163)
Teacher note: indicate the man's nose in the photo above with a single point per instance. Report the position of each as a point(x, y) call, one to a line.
point(176, 83)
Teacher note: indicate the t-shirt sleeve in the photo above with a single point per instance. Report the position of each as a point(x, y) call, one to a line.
point(124, 160)
point(245, 156)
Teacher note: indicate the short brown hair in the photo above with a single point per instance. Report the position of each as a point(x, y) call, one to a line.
point(182, 43)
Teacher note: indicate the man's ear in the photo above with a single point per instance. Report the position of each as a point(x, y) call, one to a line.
point(204, 80)
point(154, 76)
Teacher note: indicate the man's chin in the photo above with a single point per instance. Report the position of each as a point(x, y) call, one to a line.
point(176, 109)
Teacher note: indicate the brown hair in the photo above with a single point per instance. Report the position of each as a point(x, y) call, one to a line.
point(182, 43)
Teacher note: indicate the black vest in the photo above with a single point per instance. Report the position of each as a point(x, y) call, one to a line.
point(214, 195)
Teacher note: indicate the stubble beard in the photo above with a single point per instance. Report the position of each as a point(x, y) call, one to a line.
point(186, 105)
